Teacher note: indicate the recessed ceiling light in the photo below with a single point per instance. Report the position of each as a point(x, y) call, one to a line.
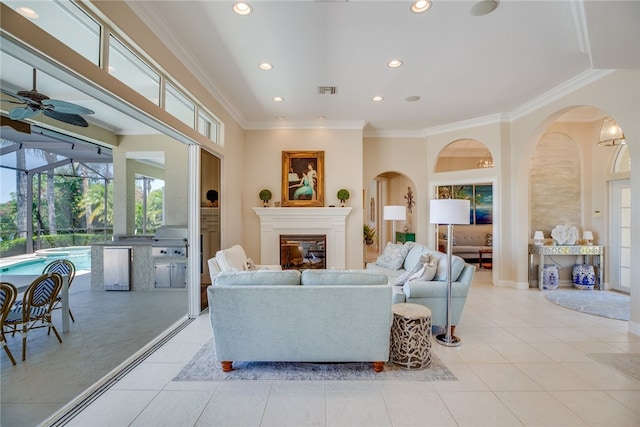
point(377, 99)
point(27, 12)
point(395, 63)
point(265, 66)
point(412, 98)
point(322, 117)
point(420, 6)
point(278, 99)
point(280, 117)
point(484, 7)
point(242, 8)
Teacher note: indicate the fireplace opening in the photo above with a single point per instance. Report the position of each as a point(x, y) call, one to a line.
point(302, 251)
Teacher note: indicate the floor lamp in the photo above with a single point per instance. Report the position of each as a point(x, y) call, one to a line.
point(449, 211)
point(394, 213)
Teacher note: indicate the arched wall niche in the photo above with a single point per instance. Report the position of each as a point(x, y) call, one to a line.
point(387, 188)
point(463, 154)
point(555, 175)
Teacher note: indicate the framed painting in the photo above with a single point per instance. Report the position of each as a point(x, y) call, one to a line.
point(484, 204)
point(303, 178)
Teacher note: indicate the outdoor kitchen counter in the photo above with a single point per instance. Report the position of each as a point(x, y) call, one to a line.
point(142, 276)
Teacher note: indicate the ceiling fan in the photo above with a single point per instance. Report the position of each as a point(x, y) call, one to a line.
point(34, 102)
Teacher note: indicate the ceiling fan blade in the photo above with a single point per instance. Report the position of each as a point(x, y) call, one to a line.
point(66, 107)
point(15, 95)
point(20, 113)
point(72, 119)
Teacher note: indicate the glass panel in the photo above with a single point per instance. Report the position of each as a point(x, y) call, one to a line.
point(132, 71)
point(66, 22)
point(625, 237)
point(625, 197)
point(179, 106)
point(625, 217)
point(625, 277)
point(625, 257)
point(207, 127)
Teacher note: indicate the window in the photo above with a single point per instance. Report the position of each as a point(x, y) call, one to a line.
point(66, 22)
point(207, 126)
point(132, 71)
point(179, 105)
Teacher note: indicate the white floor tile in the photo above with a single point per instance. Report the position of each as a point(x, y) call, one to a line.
point(504, 377)
point(236, 404)
point(295, 408)
point(539, 409)
point(114, 408)
point(479, 409)
point(173, 409)
point(598, 409)
point(149, 376)
point(410, 408)
point(364, 408)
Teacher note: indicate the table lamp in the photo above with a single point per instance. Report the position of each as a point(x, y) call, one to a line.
point(539, 237)
point(449, 211)
point(588, 237)
point(394, 213)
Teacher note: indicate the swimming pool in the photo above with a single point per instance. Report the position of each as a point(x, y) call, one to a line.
point(80, 256)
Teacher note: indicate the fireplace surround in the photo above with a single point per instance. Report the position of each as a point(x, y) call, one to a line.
point(331, 222)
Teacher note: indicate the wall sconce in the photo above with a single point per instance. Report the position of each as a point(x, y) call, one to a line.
point(611, 134)
point(539, 237)
point(588, 237)
point(394, 213)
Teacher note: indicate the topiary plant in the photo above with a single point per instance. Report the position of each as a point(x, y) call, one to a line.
point(343, 195)
point(265, 196)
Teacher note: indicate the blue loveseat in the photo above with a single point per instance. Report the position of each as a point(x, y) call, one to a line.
point(313, 316)
point(431, 293)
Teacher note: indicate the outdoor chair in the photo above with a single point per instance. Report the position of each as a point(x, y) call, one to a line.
point(8, 294)
point(35, 310)
point(63, 267)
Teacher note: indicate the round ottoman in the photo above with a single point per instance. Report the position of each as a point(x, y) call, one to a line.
point(411, 336)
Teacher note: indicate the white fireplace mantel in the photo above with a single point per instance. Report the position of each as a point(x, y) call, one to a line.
point(280, 221)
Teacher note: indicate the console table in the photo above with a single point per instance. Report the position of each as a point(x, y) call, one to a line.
point(575, 250)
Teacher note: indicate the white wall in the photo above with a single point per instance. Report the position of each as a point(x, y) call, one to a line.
point(342, 169)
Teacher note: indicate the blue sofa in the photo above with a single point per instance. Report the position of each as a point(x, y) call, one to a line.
point(313, 316)
point(431, 293)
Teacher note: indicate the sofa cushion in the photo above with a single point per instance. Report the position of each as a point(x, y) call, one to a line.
point(342, 277)
point(393, 255)
point(427, 272)
point(414, 255)
point(457, 264)
point(399, 281)
point(232, 259)
point(257, 277)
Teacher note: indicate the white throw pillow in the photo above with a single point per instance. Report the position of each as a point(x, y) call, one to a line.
point(393, 256)
point(232, 259)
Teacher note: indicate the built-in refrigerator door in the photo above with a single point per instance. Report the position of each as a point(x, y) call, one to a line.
point(179, 275)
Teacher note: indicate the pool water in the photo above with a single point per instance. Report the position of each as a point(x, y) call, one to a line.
point(79, 256)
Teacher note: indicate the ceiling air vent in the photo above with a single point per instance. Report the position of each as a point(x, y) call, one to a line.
point(327, 90)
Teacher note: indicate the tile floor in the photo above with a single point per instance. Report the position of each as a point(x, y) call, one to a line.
point(523, 361)
point(109, 328)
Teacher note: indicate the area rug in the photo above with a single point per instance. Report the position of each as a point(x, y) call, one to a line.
point(625, 363)
point(203, 368)
point(599, 303)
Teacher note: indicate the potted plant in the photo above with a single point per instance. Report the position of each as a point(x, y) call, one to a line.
point(265, 196)
point(343, 195)
point(368, 235)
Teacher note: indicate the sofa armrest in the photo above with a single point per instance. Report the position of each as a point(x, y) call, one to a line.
point(434, 289)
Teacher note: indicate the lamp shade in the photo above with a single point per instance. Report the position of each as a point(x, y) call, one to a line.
point(538, 235)
point(395, 213)
point(587, 235)
point(611, 134)
point(449, 211)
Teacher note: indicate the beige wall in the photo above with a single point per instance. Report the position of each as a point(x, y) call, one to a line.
point(342, 169)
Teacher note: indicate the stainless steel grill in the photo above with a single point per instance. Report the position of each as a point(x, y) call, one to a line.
point(170, 251)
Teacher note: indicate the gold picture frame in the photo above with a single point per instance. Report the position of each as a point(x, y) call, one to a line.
point(303, 178)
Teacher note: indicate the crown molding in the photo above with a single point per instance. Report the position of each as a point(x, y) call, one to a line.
point(152, 19)
point(325, 124)
point(581, 80)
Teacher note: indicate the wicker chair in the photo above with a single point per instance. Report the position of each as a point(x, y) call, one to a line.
point(8, 294)
point(35, 310)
